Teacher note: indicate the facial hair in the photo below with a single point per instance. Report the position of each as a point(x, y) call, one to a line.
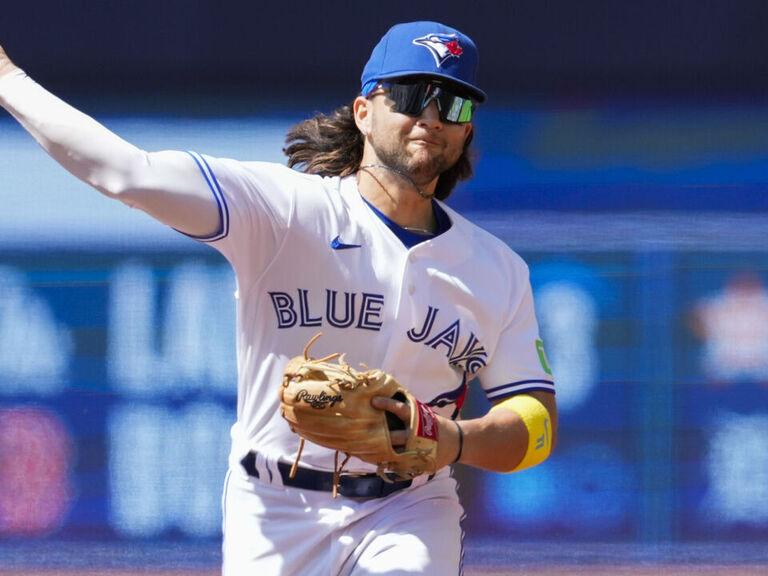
point(421, 171)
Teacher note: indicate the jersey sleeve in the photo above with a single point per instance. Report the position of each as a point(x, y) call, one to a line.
point(255, 201)
point(519, 363)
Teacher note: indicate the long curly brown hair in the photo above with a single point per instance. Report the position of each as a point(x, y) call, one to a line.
point(332, 145)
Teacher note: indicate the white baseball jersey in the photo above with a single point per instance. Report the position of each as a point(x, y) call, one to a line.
point(310, 255)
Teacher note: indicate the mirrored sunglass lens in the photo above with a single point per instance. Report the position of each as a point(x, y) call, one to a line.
point(455, 108)
point(408, 98)
point(412, 98)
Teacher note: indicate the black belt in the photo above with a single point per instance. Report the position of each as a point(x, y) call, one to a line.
point(350, 486)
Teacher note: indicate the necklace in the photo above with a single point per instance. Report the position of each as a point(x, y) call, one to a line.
point(414, 229)
point(402, 175)
point(419, 231)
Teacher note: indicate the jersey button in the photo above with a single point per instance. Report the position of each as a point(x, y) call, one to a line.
point(411, 288)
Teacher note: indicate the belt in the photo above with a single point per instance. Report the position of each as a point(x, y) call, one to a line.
point(350, 486)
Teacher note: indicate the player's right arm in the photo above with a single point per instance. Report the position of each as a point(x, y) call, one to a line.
point(167, 185)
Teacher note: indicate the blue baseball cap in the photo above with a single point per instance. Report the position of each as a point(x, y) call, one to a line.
point(423, 48)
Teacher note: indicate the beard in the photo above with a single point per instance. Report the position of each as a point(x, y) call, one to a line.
point(422, 168)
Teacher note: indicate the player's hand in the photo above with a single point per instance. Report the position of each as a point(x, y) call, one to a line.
point(6, 65)
point(448, 436)
point(399, 409)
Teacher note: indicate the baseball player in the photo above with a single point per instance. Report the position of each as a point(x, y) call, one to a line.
point(357, 245)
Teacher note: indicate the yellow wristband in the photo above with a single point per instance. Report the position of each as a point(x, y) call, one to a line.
point(536, 419)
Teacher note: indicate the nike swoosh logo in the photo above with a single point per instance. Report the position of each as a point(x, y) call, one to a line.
point(337, 244)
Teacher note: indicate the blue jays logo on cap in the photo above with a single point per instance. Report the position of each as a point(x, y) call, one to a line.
point(424, 49)
point(442, 46)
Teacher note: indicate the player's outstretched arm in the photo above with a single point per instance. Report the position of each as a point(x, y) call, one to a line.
point(166, 185)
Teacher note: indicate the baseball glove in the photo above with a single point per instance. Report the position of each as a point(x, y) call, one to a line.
point(330, 404)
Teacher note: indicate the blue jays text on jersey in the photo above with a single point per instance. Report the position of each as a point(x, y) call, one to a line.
point(363, 310)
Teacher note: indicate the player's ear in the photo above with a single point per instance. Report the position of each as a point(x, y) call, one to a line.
point(361, 110)
point(467, 130)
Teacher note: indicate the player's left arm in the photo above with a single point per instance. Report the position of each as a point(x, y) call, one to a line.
point(516, 433)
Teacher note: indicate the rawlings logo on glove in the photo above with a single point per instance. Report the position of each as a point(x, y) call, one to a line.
point(319, 401)
point(330, 404)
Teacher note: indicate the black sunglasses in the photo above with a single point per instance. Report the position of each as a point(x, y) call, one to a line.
point(411, 97)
